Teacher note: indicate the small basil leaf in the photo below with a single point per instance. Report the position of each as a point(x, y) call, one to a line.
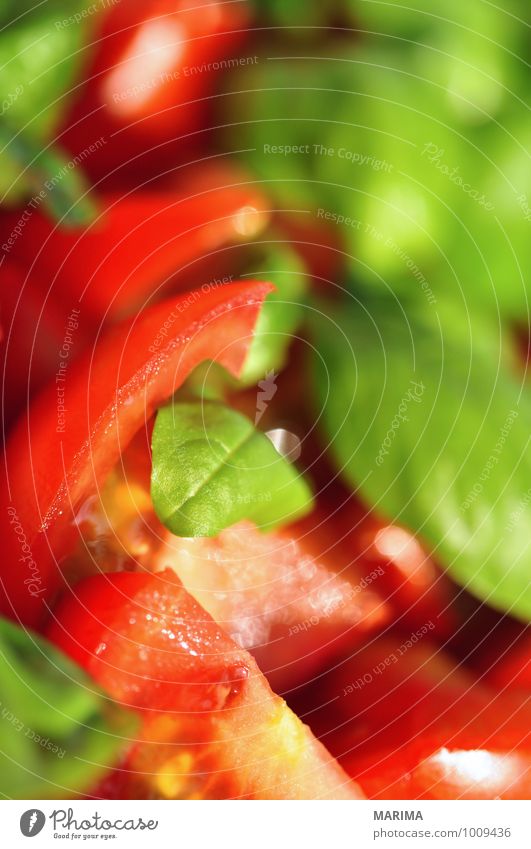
point(211, 468)
point(425, 416)
point(58, 735)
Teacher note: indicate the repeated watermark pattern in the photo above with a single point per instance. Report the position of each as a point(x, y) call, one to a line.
point(413, 395)
point(435, 156)
point(523, 203)
point(182, 306)
point(387, 242)
point(355, 157)
point(72, 325)
point(517, 514)
point(10, 99)
point(48, 187)
point(167, 77)
point(34, 581)
point(338, 603)
point(88, 12)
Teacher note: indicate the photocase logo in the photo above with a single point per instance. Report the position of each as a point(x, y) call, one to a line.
point(32, 822)
point(267, 390)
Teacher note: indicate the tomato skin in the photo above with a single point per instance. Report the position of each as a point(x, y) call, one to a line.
point(207, 711)
point(147, 90)
point(142, 246)
point(47, 474)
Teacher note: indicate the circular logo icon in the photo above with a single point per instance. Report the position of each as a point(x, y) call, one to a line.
point(32, 822)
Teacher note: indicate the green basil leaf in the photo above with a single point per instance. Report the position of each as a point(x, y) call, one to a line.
point(426, 417)
point(351, 136)
point(58, 735)
point(42, 59)
point(211, 468)
point(42, 55)
point(297, 20)
point(281, 314)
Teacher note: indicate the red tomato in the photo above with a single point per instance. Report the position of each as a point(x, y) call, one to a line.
point(506, 659)
point(293, 610)
point(212, 728)
point(294, 605)
point(388, 691)
point(412, 582)
point(35, 329)
point(478, 754)
point(155, 66)
point(407, 723)
point(142, 246)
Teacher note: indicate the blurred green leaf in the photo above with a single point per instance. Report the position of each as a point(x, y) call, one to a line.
point(425, 416)
point(420, 191)
point(40, 63)
point(45, 173)
point(281, 313)
point(58, 735)
point(43, 59)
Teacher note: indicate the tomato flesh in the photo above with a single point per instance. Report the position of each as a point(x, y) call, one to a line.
point(207, 711)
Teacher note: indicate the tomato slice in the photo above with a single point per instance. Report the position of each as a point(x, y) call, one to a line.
point(407, 722)
point(141, 247)
point(475, 754)
point(155, 67)
point(388, 691)
point(212, 728)
point(291, 609)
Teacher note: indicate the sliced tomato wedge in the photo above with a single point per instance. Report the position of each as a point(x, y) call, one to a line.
point(478, 754)
point(389, 690)
point(212, 728)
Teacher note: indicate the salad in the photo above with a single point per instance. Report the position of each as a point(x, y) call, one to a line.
point(266, 480)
